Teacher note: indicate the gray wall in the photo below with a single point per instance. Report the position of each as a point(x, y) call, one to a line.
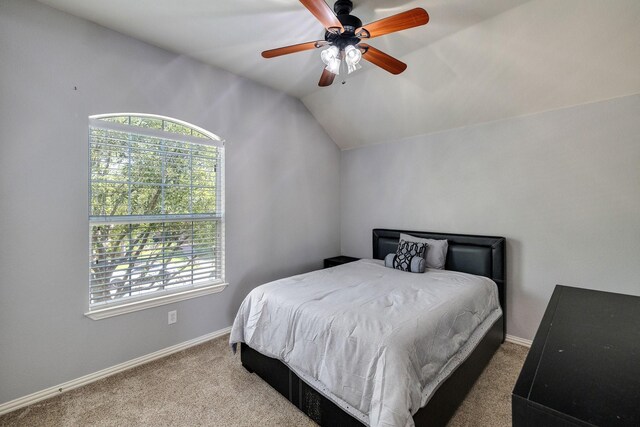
point(563, 187)
point(55, 70)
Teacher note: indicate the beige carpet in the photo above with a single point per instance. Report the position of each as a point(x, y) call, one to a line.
point(207, 386)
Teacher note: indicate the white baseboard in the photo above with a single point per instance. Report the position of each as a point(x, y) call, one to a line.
point(79, 382)
point(518, 340)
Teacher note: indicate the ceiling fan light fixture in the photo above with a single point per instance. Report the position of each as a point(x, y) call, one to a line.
point(330, 54)
point(331, 58)
point(352, 56)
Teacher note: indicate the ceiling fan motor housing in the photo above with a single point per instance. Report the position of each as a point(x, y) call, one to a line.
point(349, 22)
point(343, 8)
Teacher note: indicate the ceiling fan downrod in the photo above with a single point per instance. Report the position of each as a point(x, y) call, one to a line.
point(343, 7)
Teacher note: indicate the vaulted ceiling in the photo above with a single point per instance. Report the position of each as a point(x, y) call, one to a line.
point(475, 61)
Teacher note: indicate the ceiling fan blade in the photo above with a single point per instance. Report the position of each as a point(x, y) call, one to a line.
point(382, 60)
point(326, 78)
point(401, 21)
point(323, 13)
point(292, 49)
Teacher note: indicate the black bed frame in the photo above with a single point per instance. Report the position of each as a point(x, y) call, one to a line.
point(480, 255)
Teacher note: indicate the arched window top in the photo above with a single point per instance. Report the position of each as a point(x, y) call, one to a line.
point(156, 125)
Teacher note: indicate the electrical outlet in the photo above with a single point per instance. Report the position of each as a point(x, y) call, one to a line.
point(173, 317)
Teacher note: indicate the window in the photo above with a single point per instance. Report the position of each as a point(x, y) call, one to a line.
point(156, 212)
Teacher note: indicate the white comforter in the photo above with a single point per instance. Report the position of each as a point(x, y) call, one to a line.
point(375, 340)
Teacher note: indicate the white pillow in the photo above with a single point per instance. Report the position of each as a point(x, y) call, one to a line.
point(436, 251)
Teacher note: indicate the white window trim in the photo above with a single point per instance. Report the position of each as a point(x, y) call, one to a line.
point(132, 306)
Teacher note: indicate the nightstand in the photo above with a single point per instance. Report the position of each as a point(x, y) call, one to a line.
point(338, 260)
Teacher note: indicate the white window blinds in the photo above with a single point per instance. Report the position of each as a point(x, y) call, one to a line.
point(156, 208)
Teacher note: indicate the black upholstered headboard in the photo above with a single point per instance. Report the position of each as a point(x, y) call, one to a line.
point(480, 255)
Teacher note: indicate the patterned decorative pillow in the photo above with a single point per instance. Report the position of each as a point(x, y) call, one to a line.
point(418, 265)
point(405, 254)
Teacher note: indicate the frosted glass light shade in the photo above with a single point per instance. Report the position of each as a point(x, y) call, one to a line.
point(352, 56)
point(331, 57)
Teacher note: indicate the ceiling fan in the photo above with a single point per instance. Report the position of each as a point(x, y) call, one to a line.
point(343, 35)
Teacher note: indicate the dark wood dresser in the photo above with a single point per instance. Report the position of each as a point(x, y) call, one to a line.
point(583, 368)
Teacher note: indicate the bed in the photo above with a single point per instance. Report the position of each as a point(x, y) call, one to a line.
point(311, 389)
